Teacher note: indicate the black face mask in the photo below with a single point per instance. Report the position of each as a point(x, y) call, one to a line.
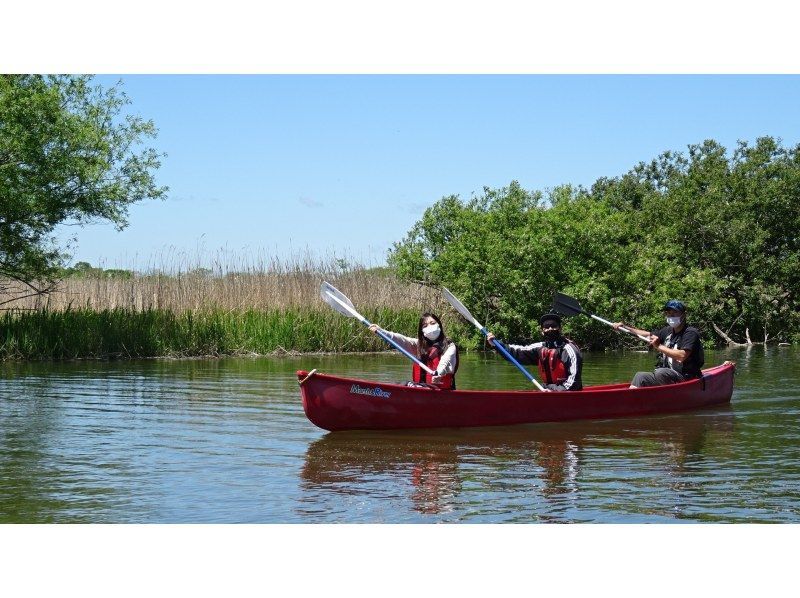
point(552, 335)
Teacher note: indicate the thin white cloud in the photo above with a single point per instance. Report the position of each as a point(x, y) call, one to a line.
point(310, 203)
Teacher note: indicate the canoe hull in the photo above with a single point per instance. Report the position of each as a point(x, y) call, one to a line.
point(335, 403)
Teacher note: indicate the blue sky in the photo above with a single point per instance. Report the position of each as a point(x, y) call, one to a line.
point(344, 165)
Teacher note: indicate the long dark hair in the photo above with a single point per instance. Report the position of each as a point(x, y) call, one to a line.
point(424, 344)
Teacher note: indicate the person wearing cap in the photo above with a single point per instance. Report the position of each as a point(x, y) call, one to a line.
point(680, 350)
point(559, 359)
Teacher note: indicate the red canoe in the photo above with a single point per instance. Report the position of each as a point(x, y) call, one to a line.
point(335, 403)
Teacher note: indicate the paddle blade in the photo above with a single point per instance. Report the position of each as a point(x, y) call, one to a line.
point(337, 300)
point(459, 307)
point(566, 305)
point(328, 288)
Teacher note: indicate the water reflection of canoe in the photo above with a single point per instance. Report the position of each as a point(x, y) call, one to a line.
point(384, 449)
point(335, 403)
point(432, 460)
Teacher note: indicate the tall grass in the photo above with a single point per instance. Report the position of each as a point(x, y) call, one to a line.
point(124, 333)
point(268, 309)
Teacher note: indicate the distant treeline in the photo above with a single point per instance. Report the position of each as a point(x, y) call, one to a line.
point(717, 231)
point(86, 270)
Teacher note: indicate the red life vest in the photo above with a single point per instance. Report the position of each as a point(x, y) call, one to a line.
point(431, 359)
point(551, 368)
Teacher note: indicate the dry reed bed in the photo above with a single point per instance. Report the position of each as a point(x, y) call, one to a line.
point(208, 313)
point(233, 291)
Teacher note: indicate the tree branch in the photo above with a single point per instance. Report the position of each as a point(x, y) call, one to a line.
point(728, 339)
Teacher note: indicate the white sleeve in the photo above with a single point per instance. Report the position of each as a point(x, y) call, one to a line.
point(526, 348)
point(408, 343)
point(447, 363)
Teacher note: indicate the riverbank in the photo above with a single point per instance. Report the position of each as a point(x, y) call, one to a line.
point(125, 333)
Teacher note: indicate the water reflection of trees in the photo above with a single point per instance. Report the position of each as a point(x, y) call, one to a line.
point(430, 469)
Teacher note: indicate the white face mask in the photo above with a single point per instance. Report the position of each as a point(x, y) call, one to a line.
point(674, 322)
point(431, 332)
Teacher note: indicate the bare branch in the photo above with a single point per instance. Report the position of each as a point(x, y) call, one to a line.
point(20, 298)
point(728, 339)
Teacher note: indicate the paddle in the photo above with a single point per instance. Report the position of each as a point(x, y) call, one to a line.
point(338, 301)
point(570, 307)
point(465, 312)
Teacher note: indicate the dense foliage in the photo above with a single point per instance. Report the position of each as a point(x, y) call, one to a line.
point(718, 231)
point(68, 154)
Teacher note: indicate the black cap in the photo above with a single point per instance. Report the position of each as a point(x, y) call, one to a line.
point(550, 316)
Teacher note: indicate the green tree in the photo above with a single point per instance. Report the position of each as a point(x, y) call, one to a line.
point(714, 229)
point(69, 153)
point(731, 223)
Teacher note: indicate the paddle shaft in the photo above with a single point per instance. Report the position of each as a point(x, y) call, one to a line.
point(465, 312)
point(628, 330)
point(380, 333)
point(508, 356)
point(569, 306)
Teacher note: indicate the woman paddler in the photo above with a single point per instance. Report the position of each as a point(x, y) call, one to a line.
point(433, 348)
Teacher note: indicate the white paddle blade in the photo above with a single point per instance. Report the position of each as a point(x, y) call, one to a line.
point(329, 288)
point(459, 307)
point(331, 295)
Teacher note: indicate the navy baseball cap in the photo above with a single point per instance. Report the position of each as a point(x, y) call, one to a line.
point(674, 304)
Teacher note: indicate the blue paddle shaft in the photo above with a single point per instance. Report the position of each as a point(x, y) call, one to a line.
point(404, 352)
point(508, 356)
point(465, 312)
point(399, 348)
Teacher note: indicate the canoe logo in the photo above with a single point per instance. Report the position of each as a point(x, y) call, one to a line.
point(372, 392)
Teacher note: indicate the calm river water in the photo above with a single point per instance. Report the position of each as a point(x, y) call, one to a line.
point(226, 440)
